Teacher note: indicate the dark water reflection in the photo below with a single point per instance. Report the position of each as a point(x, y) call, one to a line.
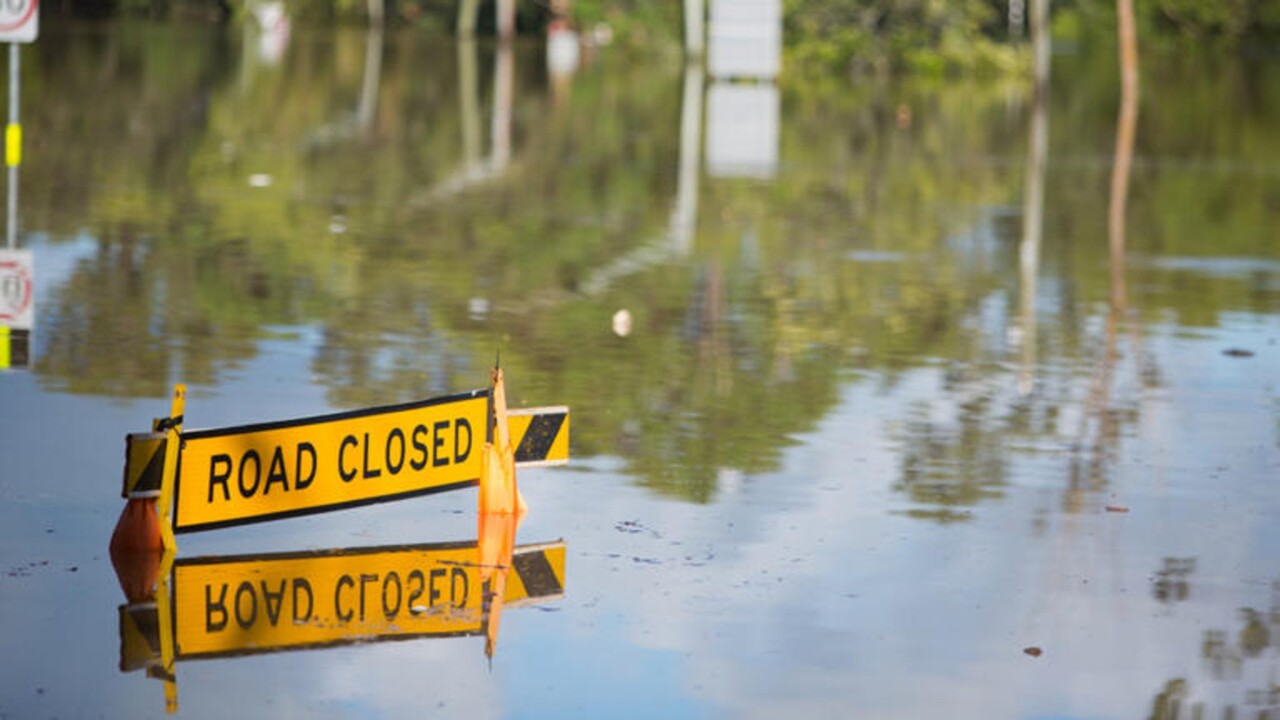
point(858, 447)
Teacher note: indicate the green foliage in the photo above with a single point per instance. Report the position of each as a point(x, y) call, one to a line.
point(1185, 23)
point(376, 240)
point(926, 36)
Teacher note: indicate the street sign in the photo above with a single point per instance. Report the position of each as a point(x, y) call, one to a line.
point(19, 20)
point(291, 601)
point(17, 286)
point(231, 476)
point(745, 39)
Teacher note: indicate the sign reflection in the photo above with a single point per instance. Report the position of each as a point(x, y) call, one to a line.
point(229, 606)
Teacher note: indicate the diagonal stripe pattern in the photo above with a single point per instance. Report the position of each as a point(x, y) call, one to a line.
point(143, 464)
point(540, 436)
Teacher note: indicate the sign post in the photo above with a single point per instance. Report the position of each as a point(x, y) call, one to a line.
point(19, 23)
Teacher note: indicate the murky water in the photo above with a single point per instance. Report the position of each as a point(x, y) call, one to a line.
point(853, 433)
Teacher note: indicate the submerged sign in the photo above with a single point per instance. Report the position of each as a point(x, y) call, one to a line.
point(237, 475)
point(260, 604)
point(226, 606)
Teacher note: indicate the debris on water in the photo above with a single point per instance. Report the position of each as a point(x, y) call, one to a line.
point(25, 570)
point(1033, 651)
point(73, 568)
point(633, 527)
point(1237, 352)
point(1117, 509)
point(622, 323)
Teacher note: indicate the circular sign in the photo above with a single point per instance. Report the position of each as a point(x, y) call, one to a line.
point(17, 15)
point(15, 290)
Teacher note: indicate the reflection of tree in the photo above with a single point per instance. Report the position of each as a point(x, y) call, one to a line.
point(952, 469)
point(1102, 420)
point(1171, 580)
point(1230, 658)
point(742, 337)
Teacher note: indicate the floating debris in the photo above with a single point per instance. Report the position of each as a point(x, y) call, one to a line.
point(1237, 353)
point(1117, 509)
point(1033, 651)
point(622, 323)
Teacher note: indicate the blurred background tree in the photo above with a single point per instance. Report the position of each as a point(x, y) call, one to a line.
point(841, 36)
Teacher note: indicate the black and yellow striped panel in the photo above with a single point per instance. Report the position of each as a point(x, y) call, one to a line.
point(139, 636)
point(538, 574)
point(15, 348)
point(143, 464)
point(540, 435)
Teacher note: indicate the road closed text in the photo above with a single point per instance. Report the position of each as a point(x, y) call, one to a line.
point(255, 605)
point(240, 475)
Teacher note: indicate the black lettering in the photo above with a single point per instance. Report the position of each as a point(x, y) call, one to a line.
point(367, 472)
point(433, 594)
point(300, 482)
point(267, 596)
point(337, 594)
point(437, 458)
point(419, 446)
point(304, 585)
point(257, 471)
point(394, 467)
point(246, 588)
point(390, 610)
point(460, 454)
point(415, 594)
point(342, 453)
point(459, 574)
point(276, 474)
point(365, 579)
point(217, 477)
point(211, 607)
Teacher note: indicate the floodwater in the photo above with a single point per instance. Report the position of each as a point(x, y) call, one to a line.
point(868, 417)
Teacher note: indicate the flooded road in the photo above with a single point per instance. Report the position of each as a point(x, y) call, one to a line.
point(869, 419)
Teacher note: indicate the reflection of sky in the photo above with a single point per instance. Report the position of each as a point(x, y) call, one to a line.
point(803, 591)
point(830, 603)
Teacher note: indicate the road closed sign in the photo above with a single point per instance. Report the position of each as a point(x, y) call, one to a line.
point(19, 20)
point(237, 475)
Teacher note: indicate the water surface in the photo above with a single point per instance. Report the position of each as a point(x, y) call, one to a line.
point(864, 436)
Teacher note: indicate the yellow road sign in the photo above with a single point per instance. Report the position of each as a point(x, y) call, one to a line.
point(237, 475)
point(242, 605)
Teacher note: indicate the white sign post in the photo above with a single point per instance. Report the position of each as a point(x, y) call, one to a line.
point(19, 23)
